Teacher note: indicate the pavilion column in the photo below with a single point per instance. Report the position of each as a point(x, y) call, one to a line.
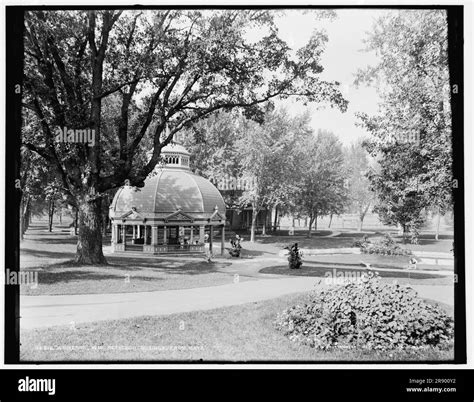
point(139, 227)
point(145, 234)
point(201, 234)
point(134, 232)
point(154, 235)
point(191, 237)
point(211, 234)
point(114, 233)
point(222, 240)
point(123, 234)
point(165, 235)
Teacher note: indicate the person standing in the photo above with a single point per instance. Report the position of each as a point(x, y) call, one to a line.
point(207, 248)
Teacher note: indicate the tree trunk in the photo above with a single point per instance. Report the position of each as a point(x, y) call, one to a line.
point(105, 225)
point(275, 219)
point(89, 242)
point(27, 215)
point(311, 219)
point(315, 221)
point(50, 214)
point(438, 224)
point(22, 219)
point(330, 221)
point(264, 228)
point(404, 228)
point(252, 228)
point(362, 216)
point(76, 220)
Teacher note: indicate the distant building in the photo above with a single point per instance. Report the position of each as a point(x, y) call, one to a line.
point(239, 218)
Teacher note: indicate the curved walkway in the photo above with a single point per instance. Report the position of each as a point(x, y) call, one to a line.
point(47, 311)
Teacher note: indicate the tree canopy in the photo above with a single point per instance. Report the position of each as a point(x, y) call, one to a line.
point(411, 135)
point(133, 75)
point(321, 177)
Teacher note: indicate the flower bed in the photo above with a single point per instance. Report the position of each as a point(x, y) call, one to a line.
point(368, 314)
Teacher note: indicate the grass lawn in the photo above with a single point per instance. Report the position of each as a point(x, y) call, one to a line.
point(128, 275)
point(273, 243)
point(376, 260)
point(301, 232)
point(237, 333)
point(52, 253)
point(405, 278)
point(279, 242)
point(437, 246)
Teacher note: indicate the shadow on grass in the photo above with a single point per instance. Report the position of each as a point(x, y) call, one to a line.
point(253, 253)
point(431, 237)
point(71, 271)
point(175, 266)
point(357, 235)
point(57, 241)
point(46, 254)
point(320, 272)
point(422, 242)
point(171, 267)
point(50, 278)
point(305, 242)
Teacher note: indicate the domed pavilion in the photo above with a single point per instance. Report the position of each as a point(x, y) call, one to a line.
point(172, 213)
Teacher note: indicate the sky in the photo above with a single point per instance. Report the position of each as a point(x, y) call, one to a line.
point(341, 60)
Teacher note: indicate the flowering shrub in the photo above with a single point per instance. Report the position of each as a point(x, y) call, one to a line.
point(367, 315)
point(294, 256)
point(385, 246)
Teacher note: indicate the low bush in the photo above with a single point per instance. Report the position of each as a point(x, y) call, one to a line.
point(385, 246)
point(368, 314)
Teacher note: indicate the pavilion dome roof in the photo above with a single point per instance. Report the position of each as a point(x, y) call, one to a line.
point(173, 188)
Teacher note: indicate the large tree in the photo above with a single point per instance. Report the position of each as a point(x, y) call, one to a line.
point(253, 164)
point(133, 75)
point(411, 134)
point(270, 161)
point(321, 185)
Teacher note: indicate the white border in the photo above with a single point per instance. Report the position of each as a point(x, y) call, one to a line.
point(468, 169)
